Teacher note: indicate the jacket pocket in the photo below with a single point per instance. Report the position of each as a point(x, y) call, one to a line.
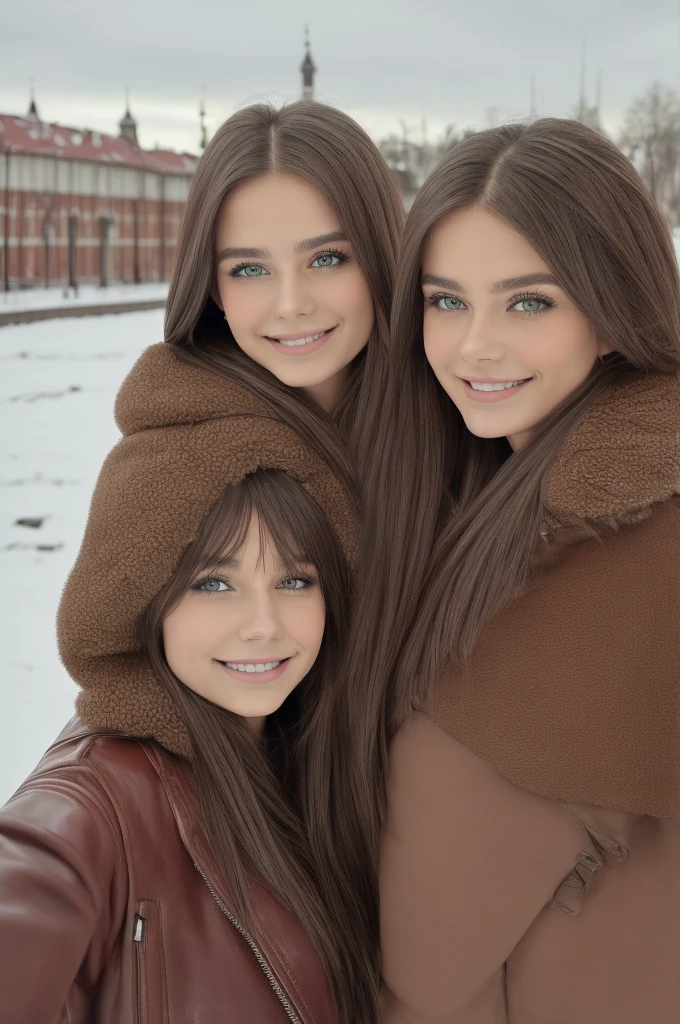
point(150, 995)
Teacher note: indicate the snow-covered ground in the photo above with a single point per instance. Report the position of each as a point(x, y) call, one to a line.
point(88, 295)
point(58, 381)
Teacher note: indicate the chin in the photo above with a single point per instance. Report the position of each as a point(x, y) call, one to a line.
point(487, 430)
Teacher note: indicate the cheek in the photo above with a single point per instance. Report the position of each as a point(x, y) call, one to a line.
point(439, 339)
point(348, 295)
point(188, 632)
point(242, 305)
point(306, 624)
point(567, 348)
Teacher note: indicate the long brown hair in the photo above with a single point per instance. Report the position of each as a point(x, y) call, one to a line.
point(254, 795)
point(451, 520)
point(329, 150)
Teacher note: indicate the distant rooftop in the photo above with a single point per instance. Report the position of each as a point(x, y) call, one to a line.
point(37, 138)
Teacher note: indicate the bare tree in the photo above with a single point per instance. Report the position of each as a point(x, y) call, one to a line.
point(651, 138)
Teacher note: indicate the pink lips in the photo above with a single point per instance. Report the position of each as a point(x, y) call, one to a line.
point(300, 350)
point(492, 396)
point(257, 677)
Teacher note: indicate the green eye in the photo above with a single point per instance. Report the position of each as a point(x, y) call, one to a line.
point(531, 303)
point(449, 302)
point(292, 583)
point(326, 259)
point(212, 586)
point(247, 270)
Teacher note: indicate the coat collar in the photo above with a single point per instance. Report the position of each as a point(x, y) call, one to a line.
point(623, 457)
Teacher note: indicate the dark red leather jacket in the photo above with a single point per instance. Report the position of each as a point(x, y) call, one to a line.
point(113, 910)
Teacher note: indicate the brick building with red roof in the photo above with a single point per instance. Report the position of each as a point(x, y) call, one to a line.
point(81, 207)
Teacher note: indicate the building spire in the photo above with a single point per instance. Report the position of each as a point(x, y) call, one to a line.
point(33, 109)
point(308, 70)
point(127, 124)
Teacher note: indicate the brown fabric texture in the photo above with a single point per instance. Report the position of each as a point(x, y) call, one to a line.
point(573, 691)
point(474, 876)
point(187, 434)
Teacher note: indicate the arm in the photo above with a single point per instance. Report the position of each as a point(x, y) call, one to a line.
point(58, 847)
point(468, 860)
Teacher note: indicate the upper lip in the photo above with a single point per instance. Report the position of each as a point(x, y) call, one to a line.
point(251, 661)
point(493, 380)
point(300, 334)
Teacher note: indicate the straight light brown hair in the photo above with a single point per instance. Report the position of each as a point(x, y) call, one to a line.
point(254, 795)
point(327, 149)
point(451, 520)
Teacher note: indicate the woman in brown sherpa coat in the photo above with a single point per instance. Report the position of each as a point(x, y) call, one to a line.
point(159, 865)
point(521, 589)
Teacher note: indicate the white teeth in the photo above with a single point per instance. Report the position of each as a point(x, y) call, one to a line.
point(301, 341)
point(250, 667)
point(497, 387)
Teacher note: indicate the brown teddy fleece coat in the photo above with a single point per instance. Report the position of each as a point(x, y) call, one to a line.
point(187, 434)
point(574, 690)
point(499, 905)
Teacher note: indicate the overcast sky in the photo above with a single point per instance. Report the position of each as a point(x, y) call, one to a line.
point(428, 63)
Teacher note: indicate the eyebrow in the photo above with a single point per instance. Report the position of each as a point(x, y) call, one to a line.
point(262, 254)
point(508, 285)
point(312, 243)
point(222, 563)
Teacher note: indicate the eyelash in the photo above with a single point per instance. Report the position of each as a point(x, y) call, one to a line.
point(308, 581)
point(434, 300)
point(342, 256)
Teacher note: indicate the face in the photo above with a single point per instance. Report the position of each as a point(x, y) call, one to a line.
point(294, 296)
point(505, 341)
point(246, 633)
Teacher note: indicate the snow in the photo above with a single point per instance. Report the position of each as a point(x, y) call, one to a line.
point(88, 295)
point(58, 381)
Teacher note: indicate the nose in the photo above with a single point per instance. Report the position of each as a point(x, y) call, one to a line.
point(259, 620)
point(294, 297)
point(480, 342)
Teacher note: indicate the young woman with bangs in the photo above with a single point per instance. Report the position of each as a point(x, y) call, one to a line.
point(161, 863)
point(511, 716)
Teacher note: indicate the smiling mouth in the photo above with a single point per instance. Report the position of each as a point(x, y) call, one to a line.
point(497, 385)
point(297, 342)
point(253, 667)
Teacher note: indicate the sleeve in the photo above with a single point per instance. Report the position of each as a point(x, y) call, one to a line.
point(58, 849)
point(468, 861)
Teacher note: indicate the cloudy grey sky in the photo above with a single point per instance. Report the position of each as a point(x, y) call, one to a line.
point(445, 61)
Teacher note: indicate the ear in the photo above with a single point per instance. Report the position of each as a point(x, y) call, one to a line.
point(604, 348)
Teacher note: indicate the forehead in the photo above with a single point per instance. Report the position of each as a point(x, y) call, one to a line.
point(474, 243)
point(276, 207)
point(257, 553)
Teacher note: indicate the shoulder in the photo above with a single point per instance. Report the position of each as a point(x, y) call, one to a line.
point(99, 768)
point(633, 558)
point(165, 389)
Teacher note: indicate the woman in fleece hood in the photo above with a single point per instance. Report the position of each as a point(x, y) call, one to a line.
point(160, 863)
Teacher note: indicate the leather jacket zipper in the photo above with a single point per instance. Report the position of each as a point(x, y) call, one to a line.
point(139, 939)
point(258, 954)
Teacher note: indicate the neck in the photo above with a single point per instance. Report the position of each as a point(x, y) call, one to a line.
point(327, 394)
point(517, 441)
